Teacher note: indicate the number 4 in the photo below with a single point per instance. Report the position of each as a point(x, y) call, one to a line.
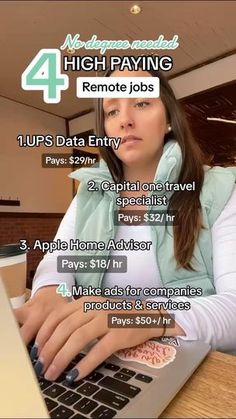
point(44, 73)
point(63, 290)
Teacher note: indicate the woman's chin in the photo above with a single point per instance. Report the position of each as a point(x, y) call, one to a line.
point(132, 158)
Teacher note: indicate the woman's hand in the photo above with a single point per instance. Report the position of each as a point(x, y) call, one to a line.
point(34, 312)
point(68, 329)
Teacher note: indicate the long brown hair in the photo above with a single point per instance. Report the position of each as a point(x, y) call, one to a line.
point(186, 203)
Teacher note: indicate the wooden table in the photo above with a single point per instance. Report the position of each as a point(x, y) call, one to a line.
point(209, 393)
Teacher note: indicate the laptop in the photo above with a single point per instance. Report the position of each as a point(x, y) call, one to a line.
point(135, 383)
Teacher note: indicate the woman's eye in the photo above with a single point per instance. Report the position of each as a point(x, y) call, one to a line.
point(111, 113)
point(114, 112)
point(142, 104)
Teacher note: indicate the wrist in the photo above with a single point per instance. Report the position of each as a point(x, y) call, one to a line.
point(49, 290)
point(167, 325)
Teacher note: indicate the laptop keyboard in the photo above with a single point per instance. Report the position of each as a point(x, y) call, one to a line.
point(102, 394)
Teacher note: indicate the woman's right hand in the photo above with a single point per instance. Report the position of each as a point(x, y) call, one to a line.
point(34, 312)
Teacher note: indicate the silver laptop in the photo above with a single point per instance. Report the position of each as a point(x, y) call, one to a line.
point(119, 388)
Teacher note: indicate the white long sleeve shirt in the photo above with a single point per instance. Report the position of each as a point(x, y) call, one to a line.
point(211, 319)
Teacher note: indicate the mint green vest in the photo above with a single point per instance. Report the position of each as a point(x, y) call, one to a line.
point(95, 212)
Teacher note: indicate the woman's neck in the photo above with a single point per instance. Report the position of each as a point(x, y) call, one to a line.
point(143, 172)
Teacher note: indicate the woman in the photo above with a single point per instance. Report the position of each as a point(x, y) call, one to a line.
point(198, 252)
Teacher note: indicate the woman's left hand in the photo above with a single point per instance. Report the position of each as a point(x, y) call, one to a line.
point(68, 329)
